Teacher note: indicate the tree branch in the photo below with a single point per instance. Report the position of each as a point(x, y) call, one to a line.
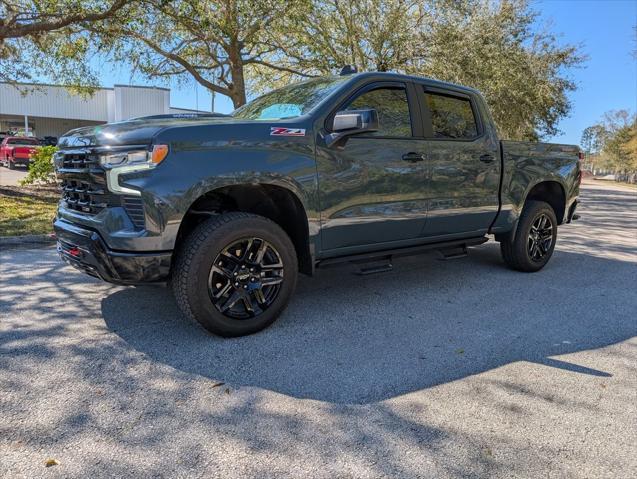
point(10, 30)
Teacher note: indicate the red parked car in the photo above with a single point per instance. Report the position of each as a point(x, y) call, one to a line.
point(17, 150)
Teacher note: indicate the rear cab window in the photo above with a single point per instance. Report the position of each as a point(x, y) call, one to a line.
point(22, 142)
point(452, 117)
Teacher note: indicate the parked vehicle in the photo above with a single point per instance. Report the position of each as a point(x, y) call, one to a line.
point(358, 168)
point(17, 150)
point(49, 140)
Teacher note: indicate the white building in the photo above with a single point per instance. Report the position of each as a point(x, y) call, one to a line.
point(50, 110)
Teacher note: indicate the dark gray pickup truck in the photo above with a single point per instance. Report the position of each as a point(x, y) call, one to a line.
point(357, 168)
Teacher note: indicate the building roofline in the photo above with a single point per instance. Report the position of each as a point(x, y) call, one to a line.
point(33, 84)
point(142, 86)
point(47, 84)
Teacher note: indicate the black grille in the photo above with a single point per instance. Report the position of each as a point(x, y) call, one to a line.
point(83, 181)
point(81, 160)
point(135, 210)
point(84, 188)
point(84, 196)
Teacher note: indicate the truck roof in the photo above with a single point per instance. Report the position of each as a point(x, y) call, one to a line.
point(400, 76)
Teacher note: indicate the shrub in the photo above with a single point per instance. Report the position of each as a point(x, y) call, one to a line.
point(41, 168)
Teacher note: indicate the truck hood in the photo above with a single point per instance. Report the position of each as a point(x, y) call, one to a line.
point(135, 132)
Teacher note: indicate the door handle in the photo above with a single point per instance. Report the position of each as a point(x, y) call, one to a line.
point(413, 157)
point(487, 158)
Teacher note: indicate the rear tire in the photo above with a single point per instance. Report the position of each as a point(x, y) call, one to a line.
point(535, 238)
point(217, 263)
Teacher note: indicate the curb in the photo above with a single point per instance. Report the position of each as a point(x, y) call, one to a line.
point(27, 240)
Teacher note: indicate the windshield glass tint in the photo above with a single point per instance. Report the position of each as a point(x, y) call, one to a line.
point(290, 101)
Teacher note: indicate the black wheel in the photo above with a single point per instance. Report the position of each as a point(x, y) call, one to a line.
point(535, 238)
point(10, 164)
point(235, 273)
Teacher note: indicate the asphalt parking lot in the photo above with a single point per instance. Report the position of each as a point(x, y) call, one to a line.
point(438, 369)
point(12, 177)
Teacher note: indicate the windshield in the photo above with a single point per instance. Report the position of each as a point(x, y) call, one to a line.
point(289, 101)
point(22, 142)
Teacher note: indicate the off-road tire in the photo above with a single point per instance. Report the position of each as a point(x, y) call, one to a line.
point(195, 257)
point(515, 253)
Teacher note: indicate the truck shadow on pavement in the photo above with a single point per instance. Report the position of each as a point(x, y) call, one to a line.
point(347, 339)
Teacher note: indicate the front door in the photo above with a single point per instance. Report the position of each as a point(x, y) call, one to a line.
point(373, 187)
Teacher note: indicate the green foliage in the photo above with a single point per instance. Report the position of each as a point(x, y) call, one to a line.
point(213, 42)
point(613, 142)
point(495, 47)
point(41, 168)
point(50, 38)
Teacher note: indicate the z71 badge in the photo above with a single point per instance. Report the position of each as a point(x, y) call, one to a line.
point(279, 131)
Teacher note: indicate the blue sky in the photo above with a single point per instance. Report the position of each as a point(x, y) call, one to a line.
point(607, 81)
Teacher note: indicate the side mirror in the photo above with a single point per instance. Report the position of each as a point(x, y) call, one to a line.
point(353, 122)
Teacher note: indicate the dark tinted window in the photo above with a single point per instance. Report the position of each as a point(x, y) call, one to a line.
point(22, 141)
point(451, 117)
point(392, 107)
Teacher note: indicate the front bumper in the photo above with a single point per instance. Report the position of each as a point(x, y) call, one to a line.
point(85, 250)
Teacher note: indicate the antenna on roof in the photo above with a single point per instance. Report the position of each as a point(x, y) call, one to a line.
point(348, 70)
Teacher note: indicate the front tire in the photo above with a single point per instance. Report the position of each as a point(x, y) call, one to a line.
point(235, 273)
point(535, 238)
point(10, 164)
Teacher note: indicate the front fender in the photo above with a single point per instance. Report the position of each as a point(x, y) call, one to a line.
point(187, 174)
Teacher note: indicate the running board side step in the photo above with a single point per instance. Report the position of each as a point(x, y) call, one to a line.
point(448, 250)
point(454, 253)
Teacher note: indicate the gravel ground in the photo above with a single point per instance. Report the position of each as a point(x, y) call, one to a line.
point(438, 369)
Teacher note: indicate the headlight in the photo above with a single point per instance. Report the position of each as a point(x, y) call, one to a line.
point(116, 163)
point(138, 157)
point(113, 160)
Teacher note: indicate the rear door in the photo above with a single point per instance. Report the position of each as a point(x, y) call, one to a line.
point(373, 187)
point(464, 165)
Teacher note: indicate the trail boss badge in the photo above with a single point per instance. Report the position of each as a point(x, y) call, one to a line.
point(280, 131)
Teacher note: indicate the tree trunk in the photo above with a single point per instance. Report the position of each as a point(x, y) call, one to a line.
point(238, 88)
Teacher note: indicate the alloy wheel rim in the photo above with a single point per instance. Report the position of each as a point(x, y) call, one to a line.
point(245, 278)
point(540, 238)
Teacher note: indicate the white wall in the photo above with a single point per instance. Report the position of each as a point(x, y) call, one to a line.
point(52, 101)
point(132, 102)
point(106, 105)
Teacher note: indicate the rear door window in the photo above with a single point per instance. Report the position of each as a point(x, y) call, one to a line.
point(452, 117)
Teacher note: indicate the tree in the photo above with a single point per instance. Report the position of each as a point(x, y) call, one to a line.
point(614, 141)
point(215, 42)
point(371, 35)
point(49, 37)
point(495, 47)
point(37, 17)
point(593, 138)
